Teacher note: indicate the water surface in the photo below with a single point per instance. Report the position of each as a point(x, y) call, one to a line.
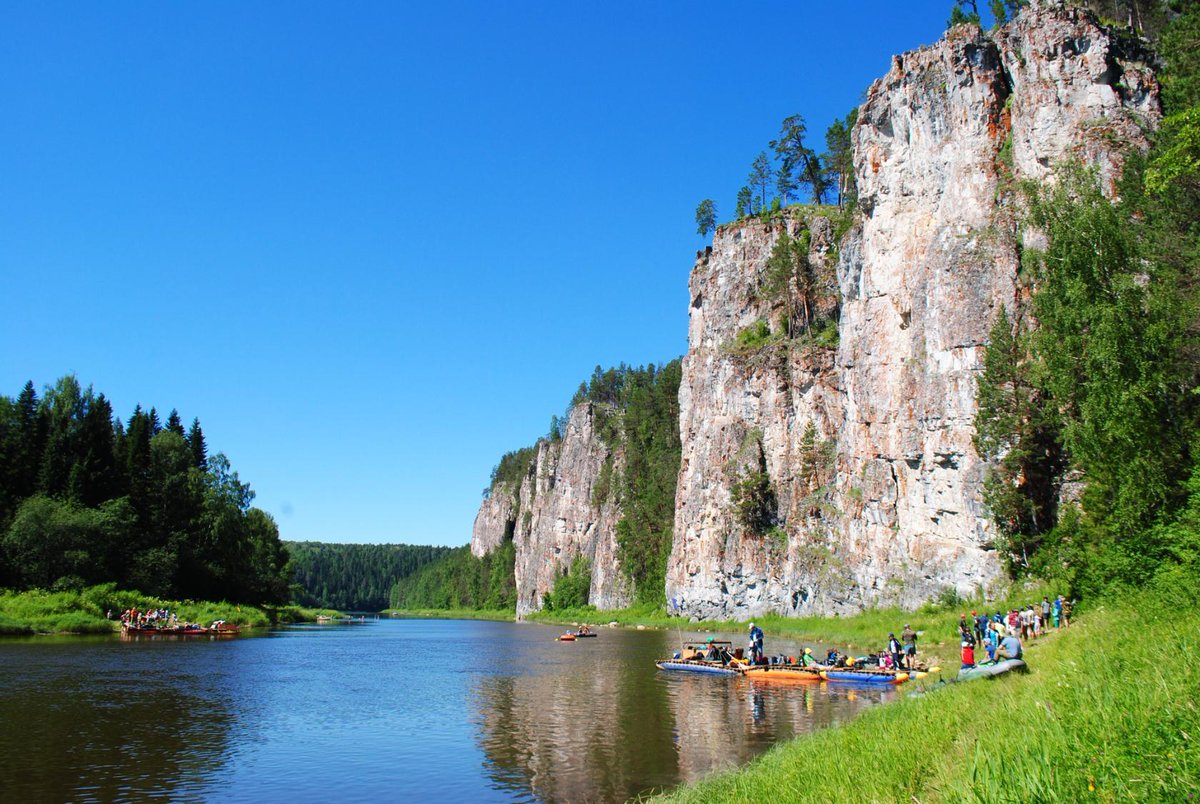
point(463, 710)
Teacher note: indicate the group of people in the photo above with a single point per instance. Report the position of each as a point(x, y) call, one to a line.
point(1000, 633)
point(152, 618)
point(901, 654)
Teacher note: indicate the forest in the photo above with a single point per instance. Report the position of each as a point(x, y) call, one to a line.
point(354, 577)
point(86, 498)
point(1088, 406)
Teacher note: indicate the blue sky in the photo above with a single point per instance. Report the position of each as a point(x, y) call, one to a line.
point(373, 246)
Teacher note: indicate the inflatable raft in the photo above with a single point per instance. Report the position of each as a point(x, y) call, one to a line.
point(991, 670)
point(865, 676)
point(699, 666)
point(786, 674)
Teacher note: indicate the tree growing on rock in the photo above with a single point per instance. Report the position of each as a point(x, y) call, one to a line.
point(706, 217)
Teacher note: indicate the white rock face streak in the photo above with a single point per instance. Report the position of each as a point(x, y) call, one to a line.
point(551, 520)
point(893, 513)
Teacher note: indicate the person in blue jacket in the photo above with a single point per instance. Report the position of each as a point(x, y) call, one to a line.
point(756, 643)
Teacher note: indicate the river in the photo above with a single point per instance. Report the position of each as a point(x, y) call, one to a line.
point(380, 710)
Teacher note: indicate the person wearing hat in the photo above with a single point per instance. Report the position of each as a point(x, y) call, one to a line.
point(756, 644)
point(808, 660)
point(909, 638)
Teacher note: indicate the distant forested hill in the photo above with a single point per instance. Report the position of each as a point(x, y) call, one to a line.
point(354, 577)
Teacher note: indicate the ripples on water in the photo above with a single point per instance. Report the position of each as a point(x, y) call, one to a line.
point(460, 710)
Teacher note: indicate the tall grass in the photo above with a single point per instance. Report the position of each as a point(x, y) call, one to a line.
point(1108, 712)
point(86, 611)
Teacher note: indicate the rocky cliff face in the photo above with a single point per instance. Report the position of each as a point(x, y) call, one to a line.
point(550, 517)
point(874, 485)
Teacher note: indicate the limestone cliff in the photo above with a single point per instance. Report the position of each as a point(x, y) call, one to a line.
point(860, 444)
point(550, 516)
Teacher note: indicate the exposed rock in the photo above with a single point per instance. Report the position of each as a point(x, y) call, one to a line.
point(883, 502)
point(551, 519)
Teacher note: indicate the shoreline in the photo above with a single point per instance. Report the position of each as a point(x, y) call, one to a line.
point(1121, 669)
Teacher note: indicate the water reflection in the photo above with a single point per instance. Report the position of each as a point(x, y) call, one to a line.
point(382, 711)
point(599, 722)
point(93, 727)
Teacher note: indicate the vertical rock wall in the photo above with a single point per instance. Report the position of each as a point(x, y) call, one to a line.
point(885, 505)
point(551, 519)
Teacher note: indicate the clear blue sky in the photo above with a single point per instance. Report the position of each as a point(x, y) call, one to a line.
point(373, 246)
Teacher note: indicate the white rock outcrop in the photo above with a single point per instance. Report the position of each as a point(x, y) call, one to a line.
point(884, 505)
point(551, 519)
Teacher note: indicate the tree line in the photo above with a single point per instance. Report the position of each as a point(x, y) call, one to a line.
point(459, 580)
point(87, 498)
point(1088, 410)
point(354, 577)
point(791, 170)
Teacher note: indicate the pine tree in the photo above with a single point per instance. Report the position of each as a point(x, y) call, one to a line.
point(195, 441)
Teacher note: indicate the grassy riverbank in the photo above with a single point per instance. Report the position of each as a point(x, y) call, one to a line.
point(84, 611)
point(1108, 712)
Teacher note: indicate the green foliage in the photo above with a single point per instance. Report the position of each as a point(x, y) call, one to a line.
point(754, 337)
point(514, 467)
point(706, 217)
point(1180, 48)
point(797, 159)
point(1044, 736)
point(571, 588)
point(761, 174)
point(652, 451)
point(744, 203)
point(755, 504)
point(354, 577)
point(86, 499)
point(459, 580)
point(839, 159)
point(1101, 390)
point(1018, 434)
point(960, 17)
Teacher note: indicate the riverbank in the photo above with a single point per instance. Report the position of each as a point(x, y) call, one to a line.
point(495, 615)
point(1108, 710)
point(865, 631)
point(86, 611)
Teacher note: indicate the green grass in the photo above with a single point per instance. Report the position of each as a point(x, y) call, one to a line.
point(83, 612)
point(1108, 712)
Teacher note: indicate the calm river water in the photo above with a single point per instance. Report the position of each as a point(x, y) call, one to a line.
point(458, 710)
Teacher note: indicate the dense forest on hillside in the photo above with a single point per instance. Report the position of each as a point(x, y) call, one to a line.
point(639, 418)
point(87, 498)
point(459, 580)
point(1089, 408)
point(354, 577)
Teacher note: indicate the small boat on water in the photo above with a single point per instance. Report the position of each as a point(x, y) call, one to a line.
point(699, 666)
point(581, 633)
point(715, 657)
point(218, 628)
point(784, 673)
point(849, 676)
point(991, 669)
